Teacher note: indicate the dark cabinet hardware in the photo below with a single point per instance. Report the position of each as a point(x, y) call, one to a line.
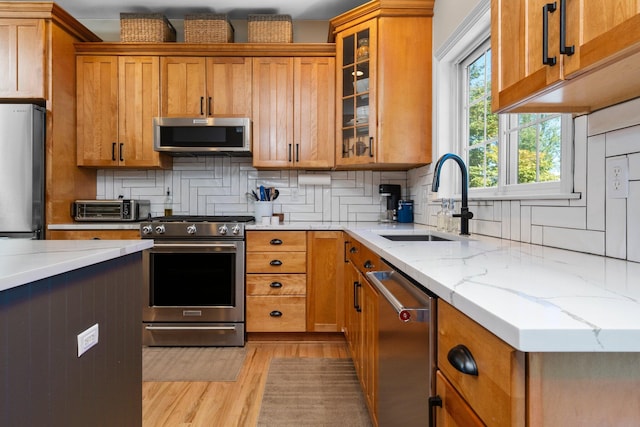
point(433, 402)
point(564, 49)
point(275, 242)
point(356, 302)
point(209, 107)
point(202, 105)
point(290, 152)
point(276, 262)
point(275, 285)
point(346, 243)
point(368, 265)
point(370, 146)
point(461, 358)
point(121, 150)
point(275, 313)
point(546, 10)
point(297, 153)
point(353, 250)
point(113, 151)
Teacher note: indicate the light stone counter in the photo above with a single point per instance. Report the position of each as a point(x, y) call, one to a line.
point(24, 261)
point(535, 298)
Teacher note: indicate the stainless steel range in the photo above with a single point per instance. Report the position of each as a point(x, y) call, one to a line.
point(194, 285)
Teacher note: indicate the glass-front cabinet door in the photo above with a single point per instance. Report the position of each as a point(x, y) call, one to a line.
point(356, 128)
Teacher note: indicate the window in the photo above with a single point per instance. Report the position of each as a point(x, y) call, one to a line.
point(509, 153)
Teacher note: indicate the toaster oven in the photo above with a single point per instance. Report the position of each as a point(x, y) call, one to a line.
point(110, 210)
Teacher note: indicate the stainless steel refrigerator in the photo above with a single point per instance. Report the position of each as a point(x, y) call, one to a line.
point(22, 151)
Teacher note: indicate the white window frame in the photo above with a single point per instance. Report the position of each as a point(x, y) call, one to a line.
point(450, 127)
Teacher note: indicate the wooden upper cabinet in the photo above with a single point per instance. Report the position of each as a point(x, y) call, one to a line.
point(314, 112)
point(199, 86)
point(272, 112)
point(229, 86)
point(600, 29)
point(601, 39)
point(383, 88)
point(293, 112)
point(117, 100)
point(23, 67)
point(517, 47)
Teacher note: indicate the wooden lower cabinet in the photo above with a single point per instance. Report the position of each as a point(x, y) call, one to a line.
point(361, 321)
point(94, 234)
point(276, 267)
point(294, 281)
point(455, 411)
point(497, 392)
point(325, 270)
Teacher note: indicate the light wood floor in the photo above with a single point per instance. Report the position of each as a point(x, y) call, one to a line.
point(196, 404)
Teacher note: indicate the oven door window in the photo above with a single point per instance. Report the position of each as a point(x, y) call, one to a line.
point(193, 279)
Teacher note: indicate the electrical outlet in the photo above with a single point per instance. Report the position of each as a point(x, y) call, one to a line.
point(617, 169)
point(87, 339)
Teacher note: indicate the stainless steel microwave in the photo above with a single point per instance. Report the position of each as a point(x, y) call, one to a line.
point(181, 136)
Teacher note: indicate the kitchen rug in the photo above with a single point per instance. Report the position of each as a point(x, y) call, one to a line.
point(192, 363)
point(313, 392)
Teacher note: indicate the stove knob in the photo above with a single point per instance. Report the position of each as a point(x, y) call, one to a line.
point(147, 229)
point(223, 230)
point(191, 229)
point(235, 230)
point(160, 229)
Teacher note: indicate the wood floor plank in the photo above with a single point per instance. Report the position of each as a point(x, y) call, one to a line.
point(205, 404)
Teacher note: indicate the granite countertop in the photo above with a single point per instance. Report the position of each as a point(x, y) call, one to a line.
point(535, 298)
point(24, 261)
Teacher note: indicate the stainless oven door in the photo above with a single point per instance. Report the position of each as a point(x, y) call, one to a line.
point(199, 281)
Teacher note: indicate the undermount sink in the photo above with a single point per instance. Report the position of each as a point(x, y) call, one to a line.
point(414, 238)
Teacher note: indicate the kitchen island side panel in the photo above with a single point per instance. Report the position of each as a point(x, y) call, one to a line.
point(42, 379)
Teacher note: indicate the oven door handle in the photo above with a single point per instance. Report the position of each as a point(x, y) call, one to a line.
point(194, 245)
point(185, 328)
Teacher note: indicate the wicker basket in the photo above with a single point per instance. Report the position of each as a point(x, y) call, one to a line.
point(208, 28)
point(146, 27)
point(270, 29)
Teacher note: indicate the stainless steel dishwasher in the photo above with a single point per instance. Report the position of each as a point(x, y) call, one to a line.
point(406, 349)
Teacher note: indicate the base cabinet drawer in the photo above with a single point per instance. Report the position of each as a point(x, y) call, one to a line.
point(496, 391)
point(276, 284)
point(276, 314)
point(277, 241)
point(277, 262)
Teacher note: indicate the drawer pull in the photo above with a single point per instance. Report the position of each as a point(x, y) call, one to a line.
point(275, 285)
point(275, 313)
point(353, 250)
point(368, 265)
point(276, 262)
point(275, 242)
point(460, 358)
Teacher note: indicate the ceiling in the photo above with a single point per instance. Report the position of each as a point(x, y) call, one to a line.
point(236, 9)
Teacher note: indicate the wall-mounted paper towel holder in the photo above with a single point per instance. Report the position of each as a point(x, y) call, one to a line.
point(315, 179)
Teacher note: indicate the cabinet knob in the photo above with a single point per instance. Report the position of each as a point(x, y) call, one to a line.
point(275, 313)
point(462, 360)
point(368, 265)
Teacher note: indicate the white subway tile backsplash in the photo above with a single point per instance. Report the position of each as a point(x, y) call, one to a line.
point(623, 141)
point(616, 226)
point(595, 183)
point(592, 223)
point(569, 217)
point(633, 225)
point(574, 240)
